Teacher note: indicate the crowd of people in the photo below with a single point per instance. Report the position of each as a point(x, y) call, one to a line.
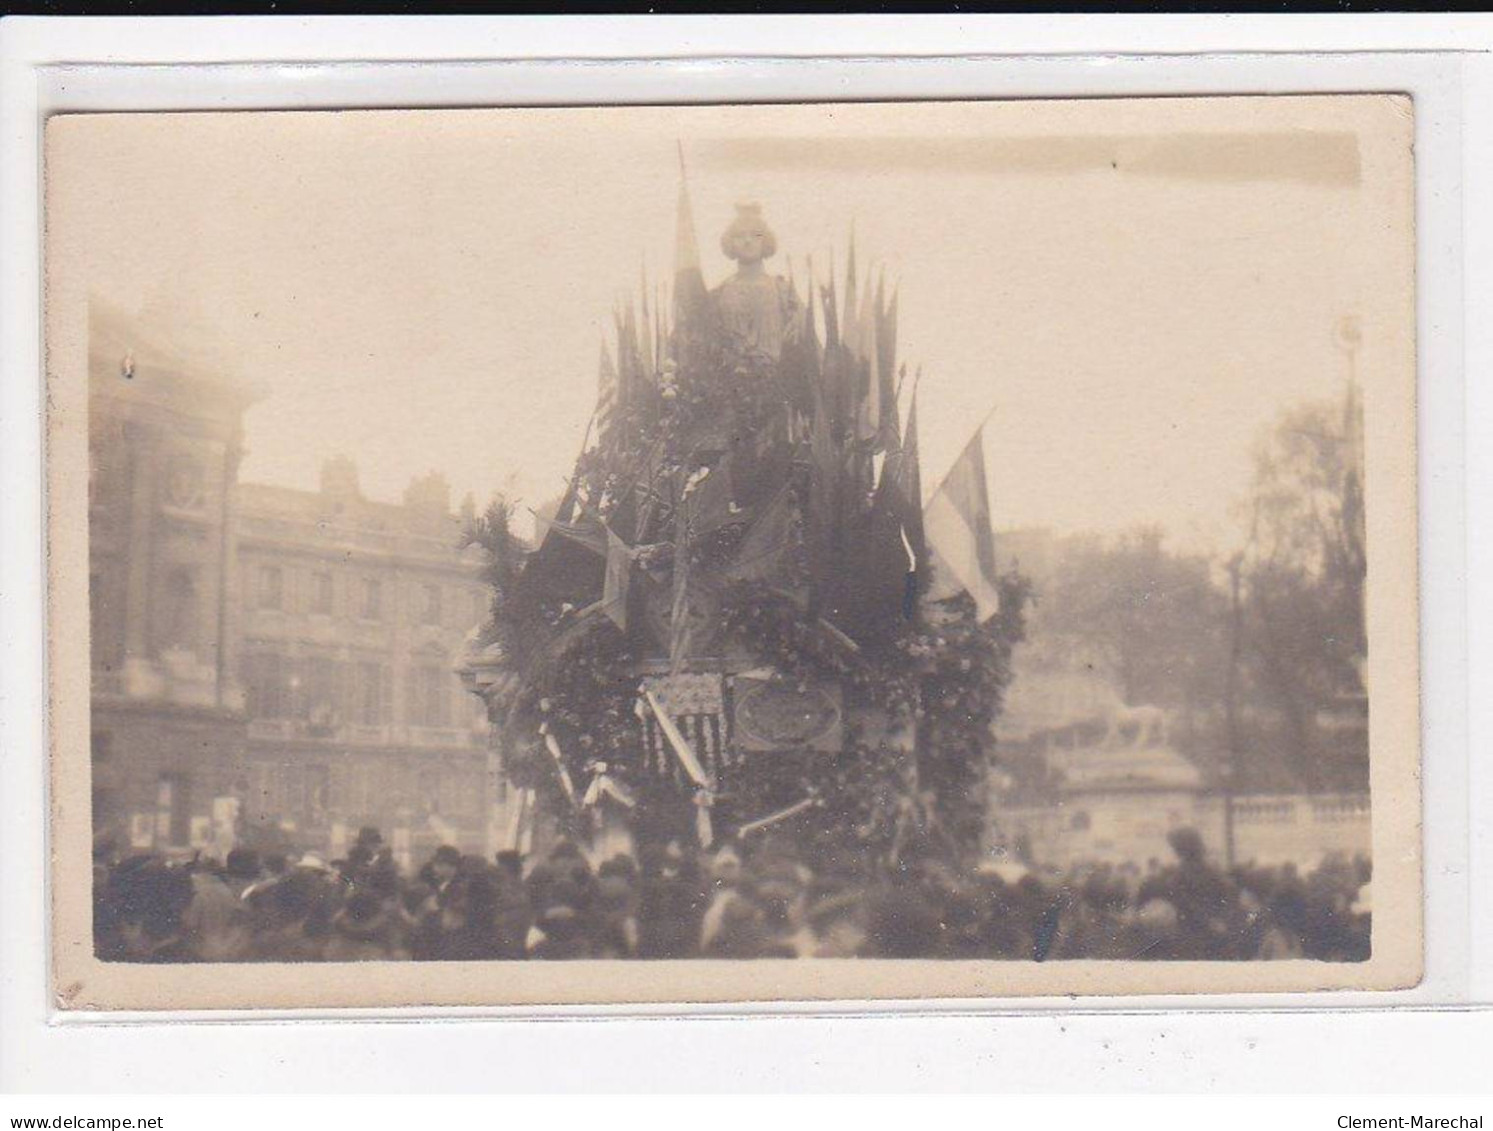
point(727, 903)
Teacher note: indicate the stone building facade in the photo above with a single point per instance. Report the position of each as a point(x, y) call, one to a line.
point(354, 617)
point(269, 665)
point(165, 441)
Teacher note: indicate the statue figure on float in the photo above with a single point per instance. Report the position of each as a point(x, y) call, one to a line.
point(757, 311)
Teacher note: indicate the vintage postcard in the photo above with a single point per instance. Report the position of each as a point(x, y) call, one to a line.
point(733, 553)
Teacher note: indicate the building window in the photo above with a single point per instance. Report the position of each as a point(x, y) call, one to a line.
point(448, 789)
point(428, 787)
point(295, 688)
point(373, 599)
point(264, 800)
point(266, 686)
point(271, 593)
point(430, 604)
point(181, 609)
point(360, 791)
point(1080, 822)
point(432, 696)
point(321, 593)
point(174, 809)
point(101, 745)
point(370, 694)
point(318, 786)
point(322, 708)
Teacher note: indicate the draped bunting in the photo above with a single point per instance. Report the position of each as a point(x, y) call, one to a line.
point(766, 550)
point(587, 532)
point(617, 580)
point(706, 734)
point(679, 621)
point(681, 747)
point(558, 755)
point(704, 796)
point(693, 703)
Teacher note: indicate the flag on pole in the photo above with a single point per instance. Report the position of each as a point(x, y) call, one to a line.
point(831, 308)
point(867, 368)
point(957, 525)
point(824, 498)
point(886, 367)
point(645, 337)
point(617, 581)
point(628, 365)
point(712, 500)
point(679, 622)
point(910, 480)
point(629, 349)
point(608, 397)
point(660, 332)
point(800, 362)
point(767, 548)
point(849, 326)
point(689, 280)
point(587, 532)
point(874, 579)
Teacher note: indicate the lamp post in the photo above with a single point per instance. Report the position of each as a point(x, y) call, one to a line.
point(1231, 711)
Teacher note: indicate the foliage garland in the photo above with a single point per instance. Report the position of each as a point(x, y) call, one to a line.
point(941, 676)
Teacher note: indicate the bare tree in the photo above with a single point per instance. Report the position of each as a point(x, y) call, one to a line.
point(1305, 570)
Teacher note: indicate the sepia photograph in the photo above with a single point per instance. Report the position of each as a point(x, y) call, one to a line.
point(733, 553)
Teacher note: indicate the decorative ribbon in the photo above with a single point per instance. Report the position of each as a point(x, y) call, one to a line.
point(524, 837)
point(604, 785)
point(839, 637)
point(704, 830)
point(781, 815)
point(558, 755)
point(515, 819)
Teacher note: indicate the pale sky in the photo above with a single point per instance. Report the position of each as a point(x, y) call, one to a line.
point(1132, 289)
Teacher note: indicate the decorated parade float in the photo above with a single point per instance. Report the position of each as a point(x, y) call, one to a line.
point(742, 622)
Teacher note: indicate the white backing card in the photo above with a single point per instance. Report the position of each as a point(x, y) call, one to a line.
point(1457, 910)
